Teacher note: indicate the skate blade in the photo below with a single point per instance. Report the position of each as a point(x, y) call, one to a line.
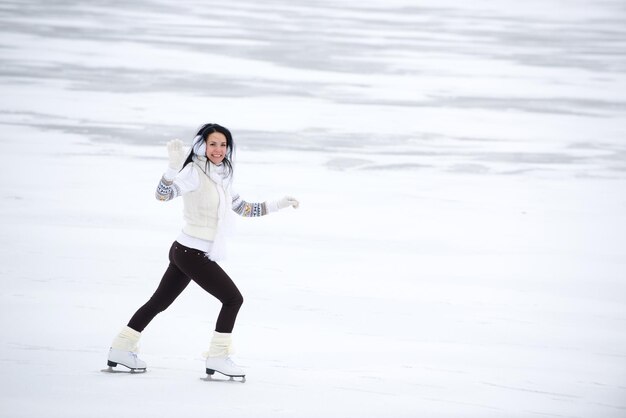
point(226, 379)
point(129, 371)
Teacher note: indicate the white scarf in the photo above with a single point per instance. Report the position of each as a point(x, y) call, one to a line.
point(225, 216)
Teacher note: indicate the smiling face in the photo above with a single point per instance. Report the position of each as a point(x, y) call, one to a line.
point(216, 147)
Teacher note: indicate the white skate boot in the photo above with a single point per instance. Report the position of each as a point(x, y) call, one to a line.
point(223, 365)
point(218, 359)
point(127, 359)
point(124, 352)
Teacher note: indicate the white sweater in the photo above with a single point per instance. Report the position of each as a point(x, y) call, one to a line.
point(201, 196)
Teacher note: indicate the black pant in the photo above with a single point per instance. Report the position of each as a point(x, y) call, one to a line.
point(188, 264)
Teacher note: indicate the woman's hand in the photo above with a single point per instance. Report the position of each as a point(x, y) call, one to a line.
point(287, 201)
point(176, 153)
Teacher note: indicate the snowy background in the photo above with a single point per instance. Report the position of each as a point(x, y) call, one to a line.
point(460, 250)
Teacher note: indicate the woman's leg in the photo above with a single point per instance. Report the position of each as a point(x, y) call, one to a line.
point(213, 279)
point(172, 284)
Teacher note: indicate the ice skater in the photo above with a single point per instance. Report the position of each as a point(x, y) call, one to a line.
point(204, 180)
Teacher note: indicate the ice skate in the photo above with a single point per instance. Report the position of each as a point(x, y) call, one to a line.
point(225, 366)
point(123, 352)
point(124, 358)
point(218, 358)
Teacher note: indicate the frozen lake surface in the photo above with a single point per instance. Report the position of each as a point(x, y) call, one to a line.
point(459, 251)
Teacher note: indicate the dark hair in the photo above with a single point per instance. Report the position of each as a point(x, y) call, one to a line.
point(202, 135)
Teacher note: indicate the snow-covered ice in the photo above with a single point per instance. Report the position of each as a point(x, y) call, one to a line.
point(460, 246)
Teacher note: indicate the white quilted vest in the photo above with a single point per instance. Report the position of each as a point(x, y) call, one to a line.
point(200, 208)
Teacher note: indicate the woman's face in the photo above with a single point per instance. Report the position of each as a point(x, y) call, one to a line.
point(216, 147)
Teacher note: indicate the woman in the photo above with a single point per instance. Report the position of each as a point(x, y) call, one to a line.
point(204, 182)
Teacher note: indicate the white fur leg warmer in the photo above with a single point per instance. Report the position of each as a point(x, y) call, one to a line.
point(127, 340)
point(221, 345)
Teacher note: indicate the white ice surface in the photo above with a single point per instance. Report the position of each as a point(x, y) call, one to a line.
point(459, 250)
